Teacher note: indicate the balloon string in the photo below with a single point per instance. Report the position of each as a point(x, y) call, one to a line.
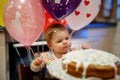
point(20, 56)
point(32, 51)
point(17, 51)
point(38, 48)
point(42, 42)
point(29, 55)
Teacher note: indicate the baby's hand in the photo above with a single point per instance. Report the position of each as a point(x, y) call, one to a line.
point(37, 61)
point(85, 46)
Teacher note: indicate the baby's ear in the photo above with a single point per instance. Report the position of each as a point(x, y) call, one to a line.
point(85, 46)
point(49, 45)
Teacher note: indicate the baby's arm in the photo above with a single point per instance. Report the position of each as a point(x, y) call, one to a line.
point(37, 64)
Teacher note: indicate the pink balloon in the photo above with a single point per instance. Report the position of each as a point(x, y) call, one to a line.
point(84, 14)
point(24, 20)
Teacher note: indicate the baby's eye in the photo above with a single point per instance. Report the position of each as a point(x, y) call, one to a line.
point(67, 38)
point(59, 41)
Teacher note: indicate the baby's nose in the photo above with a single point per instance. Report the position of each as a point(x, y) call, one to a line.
point(64, 41)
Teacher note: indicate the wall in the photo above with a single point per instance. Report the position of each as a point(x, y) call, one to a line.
point(98, 38)
point(3, 57)
point(111, 9)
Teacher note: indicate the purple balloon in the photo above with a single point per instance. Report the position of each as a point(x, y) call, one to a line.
point(59, 9)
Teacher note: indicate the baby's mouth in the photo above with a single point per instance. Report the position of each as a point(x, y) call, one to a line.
point(66, 47)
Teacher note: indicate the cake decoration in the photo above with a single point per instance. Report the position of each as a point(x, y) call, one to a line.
point(90, 57)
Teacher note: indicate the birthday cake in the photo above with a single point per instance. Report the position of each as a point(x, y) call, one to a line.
point(91, 63)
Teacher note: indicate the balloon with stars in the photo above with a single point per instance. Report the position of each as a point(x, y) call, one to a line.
point(59, 9)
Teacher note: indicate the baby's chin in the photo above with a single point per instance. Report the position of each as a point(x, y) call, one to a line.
point(64, 52)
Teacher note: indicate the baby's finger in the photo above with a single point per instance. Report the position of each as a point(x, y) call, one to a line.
point(37, 61)
point(85, 46)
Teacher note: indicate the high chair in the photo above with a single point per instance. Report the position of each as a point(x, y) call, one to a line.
point(25, 73)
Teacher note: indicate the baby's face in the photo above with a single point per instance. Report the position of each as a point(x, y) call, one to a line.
point(60, 42)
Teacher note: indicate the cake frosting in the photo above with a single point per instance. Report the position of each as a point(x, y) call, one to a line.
point(88, 57)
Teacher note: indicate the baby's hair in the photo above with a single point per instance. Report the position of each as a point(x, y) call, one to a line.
point(52, 29)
